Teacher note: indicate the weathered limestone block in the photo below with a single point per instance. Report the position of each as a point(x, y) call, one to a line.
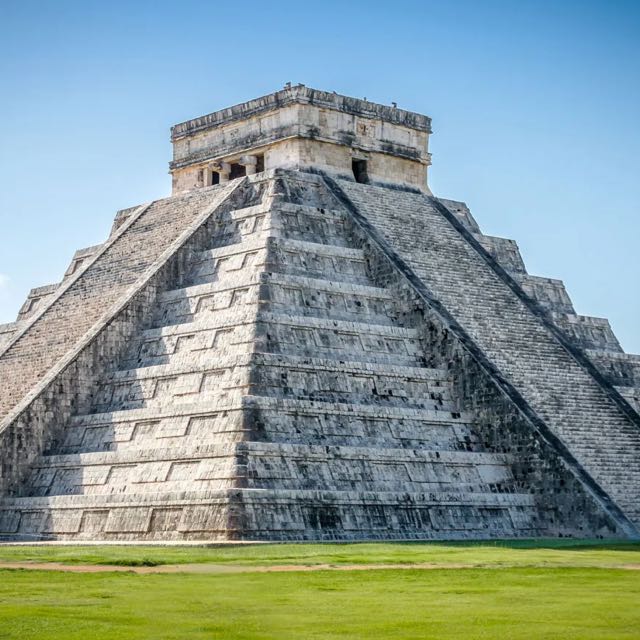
point(620, 368)
point(7, 331)
point(548, 293)
point(37, 299)
point(80, 259)
point(588, 332)
point(462, 212)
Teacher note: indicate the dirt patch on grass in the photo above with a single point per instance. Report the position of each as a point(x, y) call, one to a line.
point(234, 568)
point(218, 568)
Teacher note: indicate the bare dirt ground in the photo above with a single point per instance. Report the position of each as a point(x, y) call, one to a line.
point(217, 568)
point(222, 569)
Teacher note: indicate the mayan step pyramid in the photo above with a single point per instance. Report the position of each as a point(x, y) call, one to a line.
point(302, 342)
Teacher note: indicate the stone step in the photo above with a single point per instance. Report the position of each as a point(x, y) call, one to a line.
point(307, 336)
point(585, 440)
point(280, 292)
point(209, 337)
point(334, 422)
point(229, 319)
point(588, 332)
point(592, 442)
point(621, 369)
point(282, 255)
point(439, 376)
point(261, 242)
point(224, 265)
point(249, 279)
point(335, 215)
point(246, 279)
point(312, 259)
point(152, 427)
point(269, 465)
point(280, 404)
point(189, 378)
point(332, 213)
point(269, 514)
point(184, 380)
point(215, 450)
point(330, 299)
point(271, 419)
point(632, 395)
point(606, 465)
point(365, 383)
point(299, 222)
point(7, 331)
point(550, 293)
point(360, 326)
point(284, 221)
point(224, 333)
point(238, 227)
point(307, 247)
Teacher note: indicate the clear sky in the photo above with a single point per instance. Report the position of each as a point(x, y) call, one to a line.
point(535, 107)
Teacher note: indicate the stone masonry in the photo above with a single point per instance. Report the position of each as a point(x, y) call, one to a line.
point(303, 343)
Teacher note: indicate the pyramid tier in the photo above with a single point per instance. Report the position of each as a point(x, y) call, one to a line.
point(271, 420)
point(246, 514)
point(266, 465)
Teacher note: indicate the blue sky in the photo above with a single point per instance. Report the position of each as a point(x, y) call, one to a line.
point(535, 107)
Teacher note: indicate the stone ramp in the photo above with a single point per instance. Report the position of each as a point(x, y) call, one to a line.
point(598, 429)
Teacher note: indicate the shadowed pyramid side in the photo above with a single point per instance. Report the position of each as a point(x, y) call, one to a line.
point(561, 390)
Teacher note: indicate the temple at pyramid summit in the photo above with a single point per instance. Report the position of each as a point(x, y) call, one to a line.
point(302, 342)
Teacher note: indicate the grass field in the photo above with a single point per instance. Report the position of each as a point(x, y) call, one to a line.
point(547, 590)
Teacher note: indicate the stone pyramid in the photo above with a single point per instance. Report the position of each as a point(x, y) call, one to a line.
point(303, 343)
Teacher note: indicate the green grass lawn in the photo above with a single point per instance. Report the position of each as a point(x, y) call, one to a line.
point(521, 553)
point(524, 590)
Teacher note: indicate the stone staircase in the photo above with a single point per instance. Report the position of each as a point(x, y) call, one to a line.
point(278, 393)
point(80, 303)
point(599, 431)
point(593, 336)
